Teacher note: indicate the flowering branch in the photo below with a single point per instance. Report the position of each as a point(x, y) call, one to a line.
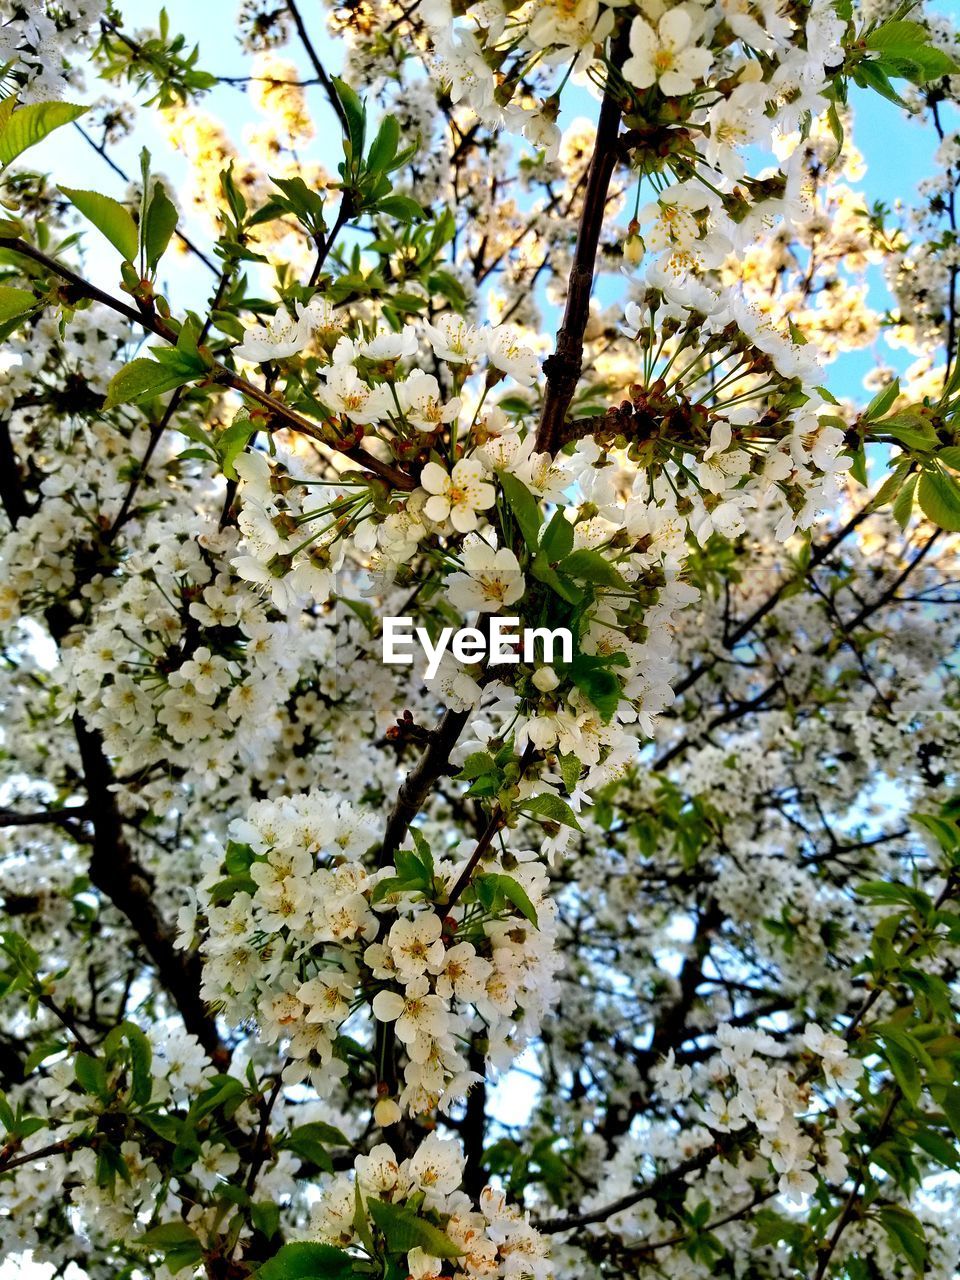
point(280, 413)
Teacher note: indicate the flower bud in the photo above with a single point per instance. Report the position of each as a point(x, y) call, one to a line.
point(633, 250)
point(545, 679)
point(386, 1112)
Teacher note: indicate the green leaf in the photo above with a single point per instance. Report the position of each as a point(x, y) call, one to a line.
point(514, 892)
point(30, 124)
point(15, 302)
point(570, 769)
point(168, 1235)
point(592, 567)
point(905, 1234)
point(226, 890)
point(903, 507)
point(356, 114)
point(233, 440)
point(308, 1261)
point(893, 891)
point(869, 75)
point(142, 380)
point(599, 684)
point(319, 1131)
point(906, 50)
point(547, 805)
point(91, 1075)
point(178, 1244)
point(310, 1142)
point(42, 1051)
point(557, 538)
point(945, 831)
point(384, 146)
point(904, 1067)
point(859, 468)
point(159, 224)
point(950, 457)
point(141, 1056)
point(400, 207)
point(476, 765)
point(110, 217)
point(910, 428)
point(951, 1108)
point(265, 1216)
point(939, 498)
point(938, 1147)
point(891, 486)
point(836, 128)
point(882, 401)
point(403, 1230)
point(525, 508)
point(238, 858)
point(564, 587)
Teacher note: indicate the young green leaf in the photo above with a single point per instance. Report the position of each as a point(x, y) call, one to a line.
point(142, 380)
point(525, 508)
point(593, 568)
point(384, 146)
point(109, 216)
point(547, 805)
point(882, 401)
point(903, 507)
point(356, 113)
point(233, 440)
point(556, 541)
point(15, 302)
point(159, 224)
point(30, 124)
point(939, 497)
point(403, 208)
point(403, 1230)
point(905, 1234)
point(906, 50)
point(599, 683)
point(514, 892)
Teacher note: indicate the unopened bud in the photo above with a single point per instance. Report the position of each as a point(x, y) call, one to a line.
point(546, 679)
point(633, 250)
point(386, 1112)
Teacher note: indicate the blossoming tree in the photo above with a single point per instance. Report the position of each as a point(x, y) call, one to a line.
point(635, 960)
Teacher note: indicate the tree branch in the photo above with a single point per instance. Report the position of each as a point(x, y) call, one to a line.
point(564, 366)
point(117, 873)
point(318, 66)
point(286, 416)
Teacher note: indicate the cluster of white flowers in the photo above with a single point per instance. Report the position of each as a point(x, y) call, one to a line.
point(183, 667)
point(494, 1240)
point(743, 1086)
point(300, 937)
point(39, 37)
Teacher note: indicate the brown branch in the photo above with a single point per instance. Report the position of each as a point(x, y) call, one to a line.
point(415, 787)
point(318, 66)
point(564, 366)
point(674, 1176)
point(54, 1149)
point(116, 872)
point(46, 817)
point(826, 1251)
point(279, 412)
point(497, 819)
